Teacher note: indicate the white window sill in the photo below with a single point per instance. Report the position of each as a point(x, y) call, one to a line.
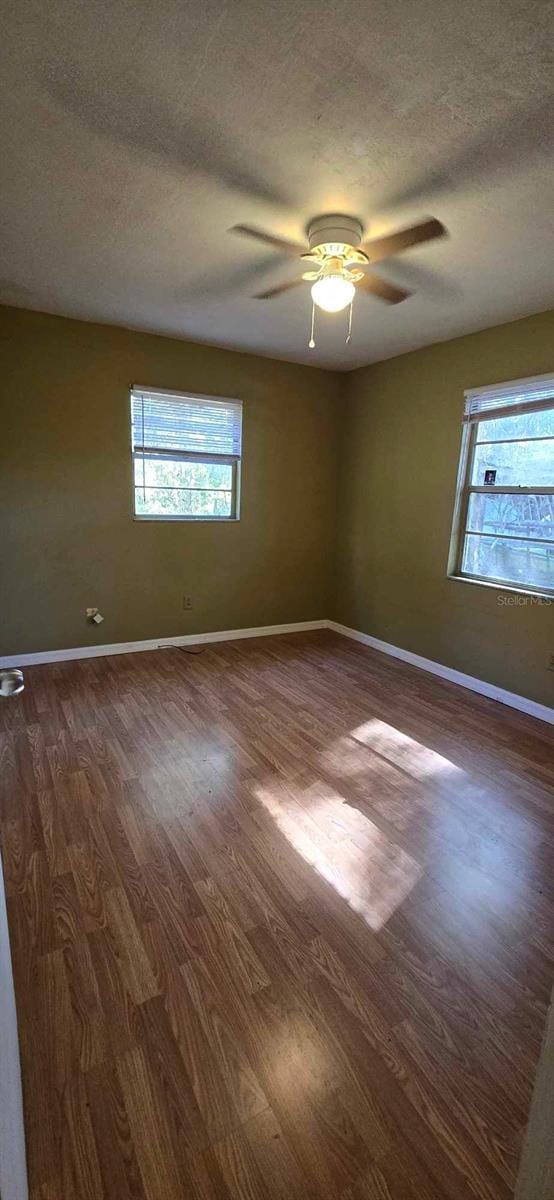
point(192, 520)
point(503, 587)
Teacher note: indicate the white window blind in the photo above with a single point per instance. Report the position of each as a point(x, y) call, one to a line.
point(507, 399)
point(186, 424)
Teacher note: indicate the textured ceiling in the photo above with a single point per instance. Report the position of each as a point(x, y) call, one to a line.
point(135, 133)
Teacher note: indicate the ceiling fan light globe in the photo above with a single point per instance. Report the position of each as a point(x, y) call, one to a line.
point(332, 293)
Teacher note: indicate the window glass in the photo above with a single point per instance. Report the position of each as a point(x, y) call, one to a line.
point(517, 562)
point(511, 515)
point(164, 502)
point(517, 464)
point(526, 425)
point(162, 472)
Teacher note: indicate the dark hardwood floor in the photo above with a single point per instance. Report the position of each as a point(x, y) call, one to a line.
point(282, 922)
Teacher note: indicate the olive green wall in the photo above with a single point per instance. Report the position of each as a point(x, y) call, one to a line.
point(67, 539)
point(347, 495)
point(400, 446)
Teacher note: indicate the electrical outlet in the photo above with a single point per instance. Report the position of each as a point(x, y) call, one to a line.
point(550, 663)
point(187, 602)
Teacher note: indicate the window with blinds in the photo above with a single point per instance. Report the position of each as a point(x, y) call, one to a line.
point(186, 456)
point(504, 520)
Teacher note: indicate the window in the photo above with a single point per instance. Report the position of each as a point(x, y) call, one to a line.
point(504, 521)
point(186, 456)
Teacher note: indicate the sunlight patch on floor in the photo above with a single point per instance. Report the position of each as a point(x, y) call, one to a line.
point(412, 757)
point(344, 846)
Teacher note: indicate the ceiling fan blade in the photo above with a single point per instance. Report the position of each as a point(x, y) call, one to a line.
point(278, 243)
point(276, 291)
point(379, 287)
point(394, 243)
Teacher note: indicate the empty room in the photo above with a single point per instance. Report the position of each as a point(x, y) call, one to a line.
point(276, 600)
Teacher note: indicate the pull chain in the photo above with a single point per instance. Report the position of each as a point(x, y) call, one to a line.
point(311, 342)
point(349, 334)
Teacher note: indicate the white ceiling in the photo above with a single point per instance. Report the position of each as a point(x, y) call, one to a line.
point(135, 133)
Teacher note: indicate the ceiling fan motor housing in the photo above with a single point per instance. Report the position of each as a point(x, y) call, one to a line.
point(334, 232)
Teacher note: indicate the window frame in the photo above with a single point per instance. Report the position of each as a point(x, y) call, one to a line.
point(139, 453)
point(465, 489)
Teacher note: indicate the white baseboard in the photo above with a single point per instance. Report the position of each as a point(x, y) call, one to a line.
point(187, 639)
point(532, 707)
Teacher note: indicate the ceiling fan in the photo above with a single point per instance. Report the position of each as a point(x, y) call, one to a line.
point(341, 260)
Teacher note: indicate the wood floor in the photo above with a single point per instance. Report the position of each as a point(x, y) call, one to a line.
point(282, 922)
